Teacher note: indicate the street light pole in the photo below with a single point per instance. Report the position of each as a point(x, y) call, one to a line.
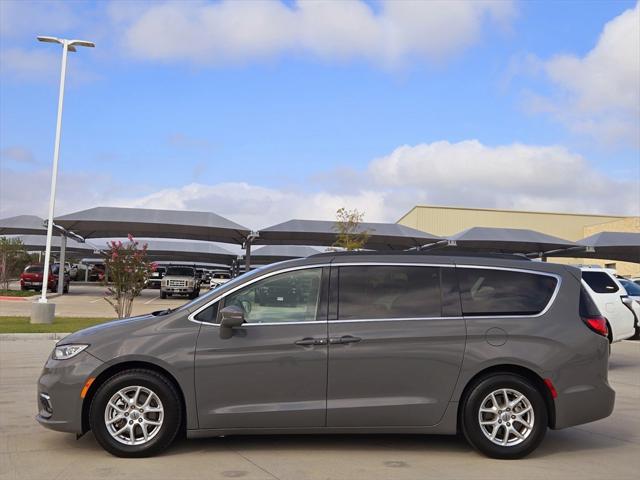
point(67, 46)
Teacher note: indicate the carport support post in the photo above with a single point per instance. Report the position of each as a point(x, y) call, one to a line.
point(247, 254)
point(61, 272)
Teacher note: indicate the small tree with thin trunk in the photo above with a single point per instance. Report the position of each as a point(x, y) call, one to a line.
point(350, 235)
point(128, 269)
point(13, 258)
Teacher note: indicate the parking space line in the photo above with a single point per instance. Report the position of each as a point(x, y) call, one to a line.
point(96, 300)
point(152, 300)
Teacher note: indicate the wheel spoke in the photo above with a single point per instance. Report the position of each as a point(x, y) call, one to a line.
point(115, 419)
point(135, 397)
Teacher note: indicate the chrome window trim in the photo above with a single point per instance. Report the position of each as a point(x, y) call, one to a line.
point(399, 319)
point(558, 278)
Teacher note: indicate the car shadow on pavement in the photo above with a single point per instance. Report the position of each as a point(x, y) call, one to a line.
point(555, 443)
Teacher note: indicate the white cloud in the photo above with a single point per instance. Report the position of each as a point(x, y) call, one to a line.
point(29, 63)
point(17, 154)
point(467, 173)
point(510, 176)
point(599, 94)
point(231, 31)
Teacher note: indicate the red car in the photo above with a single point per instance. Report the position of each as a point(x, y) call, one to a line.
point(32, 277)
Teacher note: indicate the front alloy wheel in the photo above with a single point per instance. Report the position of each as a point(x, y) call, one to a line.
point(136, 413)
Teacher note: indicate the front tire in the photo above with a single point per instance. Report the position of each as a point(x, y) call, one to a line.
point(504, 416)
point(136, 413)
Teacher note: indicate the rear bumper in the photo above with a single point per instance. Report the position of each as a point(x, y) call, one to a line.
point(583, 404)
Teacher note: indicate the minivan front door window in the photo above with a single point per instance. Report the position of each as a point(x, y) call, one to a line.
point(286, 297)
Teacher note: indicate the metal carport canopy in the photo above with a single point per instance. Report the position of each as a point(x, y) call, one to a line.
point(100, 222)
point(277, 253)
point(620, 246)
point(506, 240)
point(186, 251)
point(38, 243)
point(178, 250)
point(323, 232)
point(24, 225)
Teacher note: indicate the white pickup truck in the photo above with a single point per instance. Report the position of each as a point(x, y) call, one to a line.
point(180, 280)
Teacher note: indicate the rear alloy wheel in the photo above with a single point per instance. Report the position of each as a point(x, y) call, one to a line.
point(136, 413)
point(504, 416)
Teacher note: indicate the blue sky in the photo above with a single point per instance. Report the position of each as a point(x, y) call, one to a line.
point(263, 111)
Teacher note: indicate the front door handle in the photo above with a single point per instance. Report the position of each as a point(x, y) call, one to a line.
point(344, 339)
point(307, 341)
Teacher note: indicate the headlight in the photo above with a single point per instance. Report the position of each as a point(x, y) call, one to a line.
point(64, 352)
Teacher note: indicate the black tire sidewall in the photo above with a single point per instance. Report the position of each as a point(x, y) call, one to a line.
point(170, 402)
point(471, 427)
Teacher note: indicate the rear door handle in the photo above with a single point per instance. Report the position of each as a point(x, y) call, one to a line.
point(344, 339)
point(307, 341)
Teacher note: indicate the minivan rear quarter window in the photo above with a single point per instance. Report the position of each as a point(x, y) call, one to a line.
point(379, 292)
point(491, 292)
point(600, 282)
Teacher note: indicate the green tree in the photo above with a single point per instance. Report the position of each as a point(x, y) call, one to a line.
point(350, 234)
point(128, 269)
point(13, 259)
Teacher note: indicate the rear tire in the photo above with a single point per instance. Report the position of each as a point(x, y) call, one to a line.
point(513, 412)
point(163, 295)
point(144, 406)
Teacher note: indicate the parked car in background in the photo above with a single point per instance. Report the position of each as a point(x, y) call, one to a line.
point(218, 279)
point(97, 272)
point(33, 276)
point(496, 348)
point(612, 301)
point(155, 277)
point(633, 291)
point(73, 271)
point(180, 280)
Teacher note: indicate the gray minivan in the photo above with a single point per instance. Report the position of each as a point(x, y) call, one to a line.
point(497, 348)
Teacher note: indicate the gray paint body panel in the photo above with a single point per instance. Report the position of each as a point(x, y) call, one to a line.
point(405, 376)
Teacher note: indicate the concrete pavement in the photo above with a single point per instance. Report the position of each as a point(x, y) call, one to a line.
point(609, 448)
point(87, 301)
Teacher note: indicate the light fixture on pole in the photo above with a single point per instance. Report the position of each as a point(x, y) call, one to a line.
point(67, 46)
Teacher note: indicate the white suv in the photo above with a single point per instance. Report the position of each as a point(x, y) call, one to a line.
point(612, 301)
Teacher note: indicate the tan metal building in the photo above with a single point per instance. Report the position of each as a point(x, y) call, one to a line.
point(446, 221)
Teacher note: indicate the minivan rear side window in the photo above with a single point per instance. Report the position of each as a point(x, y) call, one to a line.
point(490, 292)
point(600, 282)
point(388, 291)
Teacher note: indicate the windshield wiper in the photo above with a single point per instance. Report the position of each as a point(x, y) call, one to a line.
point(158, 313)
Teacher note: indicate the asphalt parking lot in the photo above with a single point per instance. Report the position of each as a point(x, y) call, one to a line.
point(609, 448)
point(88, 301)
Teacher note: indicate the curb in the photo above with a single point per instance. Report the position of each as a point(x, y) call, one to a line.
point(31, 336)
point(6, 298)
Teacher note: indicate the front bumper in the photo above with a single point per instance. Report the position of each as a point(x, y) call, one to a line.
point(181, 290)
point(62, 382)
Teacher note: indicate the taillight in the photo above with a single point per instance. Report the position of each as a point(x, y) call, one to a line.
point(597, 324)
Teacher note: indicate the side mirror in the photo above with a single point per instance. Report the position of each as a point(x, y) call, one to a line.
point(231, 317)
